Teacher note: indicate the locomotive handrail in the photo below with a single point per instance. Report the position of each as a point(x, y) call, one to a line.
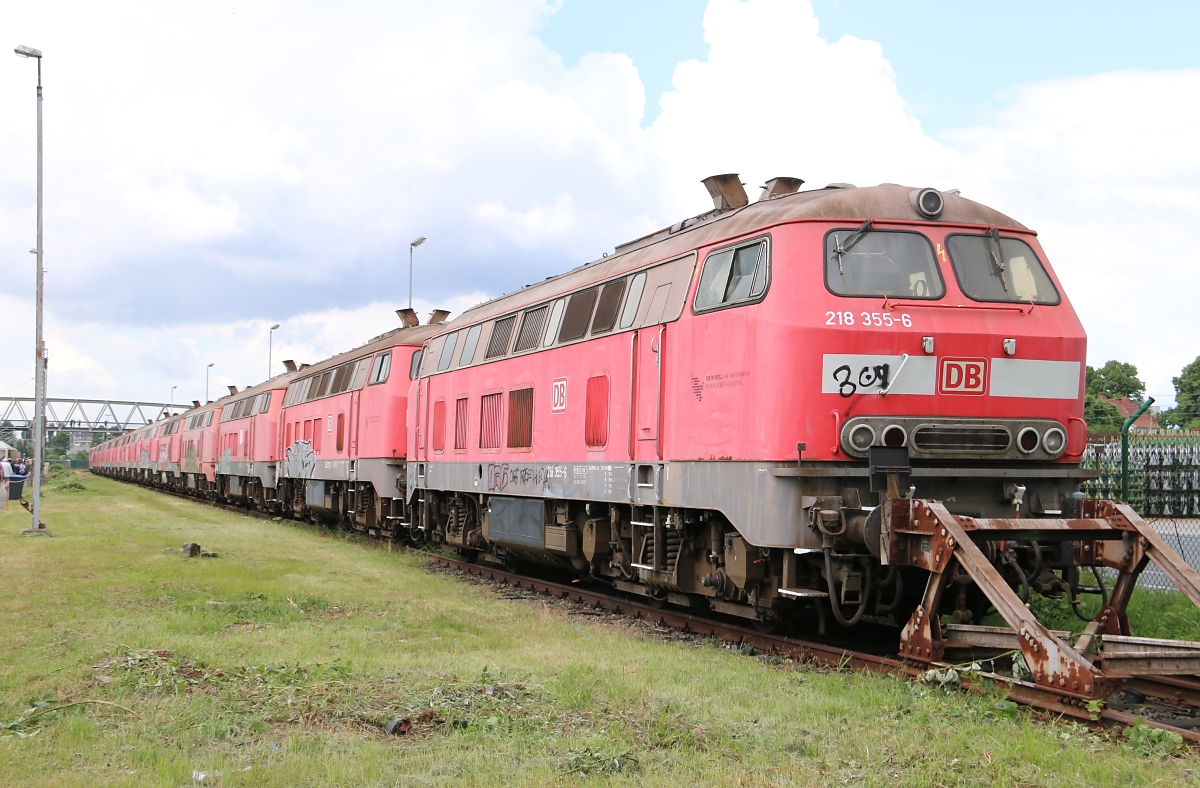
point(892, 306)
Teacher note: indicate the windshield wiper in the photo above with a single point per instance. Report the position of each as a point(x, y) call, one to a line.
point(997, 255)
point(843, 247)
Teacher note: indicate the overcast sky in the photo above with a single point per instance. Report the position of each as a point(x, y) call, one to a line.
point(214, 168)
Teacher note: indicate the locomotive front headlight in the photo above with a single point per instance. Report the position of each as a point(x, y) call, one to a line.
point(862, 437)
point(1028, 440)
point(1054, 440)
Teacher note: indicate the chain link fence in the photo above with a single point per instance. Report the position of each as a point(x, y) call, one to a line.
point(1164, 487)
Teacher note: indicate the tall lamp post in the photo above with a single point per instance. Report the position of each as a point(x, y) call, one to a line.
point(171, 412)
point(270, 339)
point(420, 239)
point(39, 375)
point(206, 369)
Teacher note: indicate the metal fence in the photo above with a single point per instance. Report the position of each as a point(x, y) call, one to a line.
point(1182, 534)
point(1164, 487)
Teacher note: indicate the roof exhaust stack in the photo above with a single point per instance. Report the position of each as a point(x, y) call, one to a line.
point(195, 403)
point(727, 191)
point(780, 186)
point(438, 316)
point(408, 317)
point(289, 365)
point(232, 390)
point(304, 367)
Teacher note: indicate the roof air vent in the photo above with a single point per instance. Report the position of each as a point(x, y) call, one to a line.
point(727, 191)
point(408, 317)
point(438, 316)
point(840, 186)
point(232, 390)
point(779, 187)
point(289, 365)
point(195, 403)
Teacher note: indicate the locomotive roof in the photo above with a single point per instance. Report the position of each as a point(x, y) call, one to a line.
point(885, 202)
point(405, 335)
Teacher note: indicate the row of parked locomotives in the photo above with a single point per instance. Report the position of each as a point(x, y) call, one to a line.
point(825, 404)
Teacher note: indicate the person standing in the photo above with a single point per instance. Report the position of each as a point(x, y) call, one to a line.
point(6, 470)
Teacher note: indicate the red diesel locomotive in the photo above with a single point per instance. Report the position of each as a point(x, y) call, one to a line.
point(693, 417)
point(710, 415)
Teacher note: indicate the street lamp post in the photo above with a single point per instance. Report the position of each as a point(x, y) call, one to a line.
point(171, 412)
point(206, 369)
point(39, 374)
point(270, 338)
point(420, 239)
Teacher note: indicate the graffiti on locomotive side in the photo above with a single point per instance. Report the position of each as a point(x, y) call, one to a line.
point(300, 460)
point(848, 382)
point(501, 476)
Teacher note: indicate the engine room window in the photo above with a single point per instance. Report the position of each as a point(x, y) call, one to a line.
point(606, 310)
point(578, 315)
point(531, 328)
point(869, 262)
point(733, 275)
point(469, 345)
point(414, 366)
point(447, 352)
point(555, 320)
point(383, 364)
point(990, 268)
point(633, 301)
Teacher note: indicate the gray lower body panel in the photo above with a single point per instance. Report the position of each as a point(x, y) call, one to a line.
point(764, 500)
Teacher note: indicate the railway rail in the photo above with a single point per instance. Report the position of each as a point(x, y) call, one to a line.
point(1169, 703)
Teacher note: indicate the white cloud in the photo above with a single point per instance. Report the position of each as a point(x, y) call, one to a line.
point(214, 168)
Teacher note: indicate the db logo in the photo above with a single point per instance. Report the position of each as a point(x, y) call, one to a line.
point(963, 376)
point(558, 395)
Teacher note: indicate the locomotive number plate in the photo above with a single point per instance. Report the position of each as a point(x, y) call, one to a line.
point(868, 319)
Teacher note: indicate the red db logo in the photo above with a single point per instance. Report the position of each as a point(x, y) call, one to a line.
point(558, 395)
point(963, 376)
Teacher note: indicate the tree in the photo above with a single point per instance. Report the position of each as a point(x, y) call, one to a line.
point(59, 443)
point(1114, 380)
point(1186, 412)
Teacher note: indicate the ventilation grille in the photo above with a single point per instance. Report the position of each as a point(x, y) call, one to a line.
point(520, 419)
point(959, 438)
point(531, 328)
point(501, 334)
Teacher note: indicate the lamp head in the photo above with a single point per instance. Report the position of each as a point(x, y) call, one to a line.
point(274, 326)
point(212, 363)
point(25, 51)
point(420, 239)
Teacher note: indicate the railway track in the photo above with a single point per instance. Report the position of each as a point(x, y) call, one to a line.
point(1166, 702)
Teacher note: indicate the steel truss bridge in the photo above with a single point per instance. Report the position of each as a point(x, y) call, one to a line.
point(84, 415)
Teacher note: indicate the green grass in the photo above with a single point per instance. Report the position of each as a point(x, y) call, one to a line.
point(278, 662)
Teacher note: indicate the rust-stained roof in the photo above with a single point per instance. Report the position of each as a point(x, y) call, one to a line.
point(883, 203)
point(415, 336)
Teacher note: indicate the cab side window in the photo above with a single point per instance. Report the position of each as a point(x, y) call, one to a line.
point(734, 275)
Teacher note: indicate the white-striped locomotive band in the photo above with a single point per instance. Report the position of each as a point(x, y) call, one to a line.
point(1007, 377)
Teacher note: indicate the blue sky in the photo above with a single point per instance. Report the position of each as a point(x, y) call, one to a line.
point(953, 60)
point(215, 168)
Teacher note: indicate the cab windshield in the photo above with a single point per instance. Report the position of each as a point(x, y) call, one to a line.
point(865, 262)
point(992, 268)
